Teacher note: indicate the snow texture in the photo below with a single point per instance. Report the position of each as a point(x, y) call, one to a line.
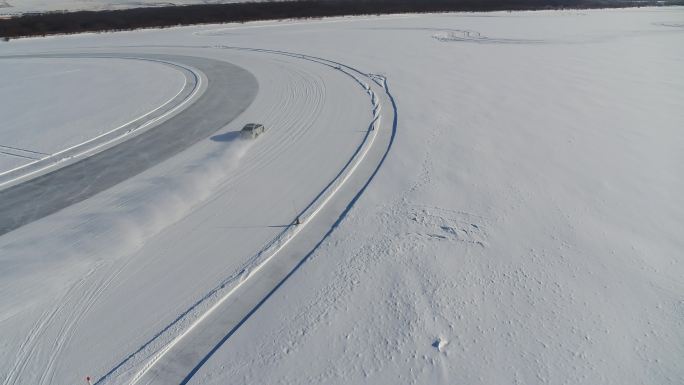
point(525, 228)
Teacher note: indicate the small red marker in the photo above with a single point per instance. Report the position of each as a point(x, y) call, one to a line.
point(88, 380)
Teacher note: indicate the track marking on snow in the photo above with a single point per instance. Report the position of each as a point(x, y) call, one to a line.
point(281, 241)
point(18, 155)
point(84, 149)
point(466, 35)
point(23, 150)
point(64, 317)
point(30, 346)
point(303, 90)
point(670, 25)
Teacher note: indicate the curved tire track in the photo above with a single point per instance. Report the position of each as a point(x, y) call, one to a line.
point(178, 364)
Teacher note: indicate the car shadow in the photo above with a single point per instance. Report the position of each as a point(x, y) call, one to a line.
point(227, 137)
point(254, 227)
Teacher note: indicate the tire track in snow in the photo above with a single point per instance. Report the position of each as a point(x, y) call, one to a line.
point(154, 355)
point(24, 203)
point(297, 108)
point(71, 307)
point(303, 90)
point(32, 346)
point(84, 304)
point(382, 82)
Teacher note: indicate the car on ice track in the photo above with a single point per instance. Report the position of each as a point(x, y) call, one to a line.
point(252, 130)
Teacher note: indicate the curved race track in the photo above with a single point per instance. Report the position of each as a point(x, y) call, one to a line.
point(180, 359)
point(230, 91)
point(191, 286)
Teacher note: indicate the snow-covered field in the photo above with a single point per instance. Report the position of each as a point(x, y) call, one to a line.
point(15, 7)
point(524, 228)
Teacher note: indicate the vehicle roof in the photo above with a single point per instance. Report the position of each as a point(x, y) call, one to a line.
point(251, 126)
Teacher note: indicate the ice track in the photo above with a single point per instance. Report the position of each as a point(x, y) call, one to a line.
point(58, 324)
point(46, 162)
point(237, 297)
point(95, 172)
point(292, 108)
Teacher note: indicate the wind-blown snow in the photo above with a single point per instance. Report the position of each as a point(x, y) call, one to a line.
point(525, 228)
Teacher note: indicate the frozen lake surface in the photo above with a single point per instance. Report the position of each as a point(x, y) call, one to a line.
point(525, 226)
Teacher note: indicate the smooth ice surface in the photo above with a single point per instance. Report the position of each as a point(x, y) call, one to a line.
point(525, 228)
point(50, 104)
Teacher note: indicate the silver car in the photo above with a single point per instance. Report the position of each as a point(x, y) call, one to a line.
point(252, 130)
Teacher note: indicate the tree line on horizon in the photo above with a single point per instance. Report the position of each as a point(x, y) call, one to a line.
point(169, 16)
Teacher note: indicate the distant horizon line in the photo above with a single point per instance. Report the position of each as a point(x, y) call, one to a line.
point(72, 22)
